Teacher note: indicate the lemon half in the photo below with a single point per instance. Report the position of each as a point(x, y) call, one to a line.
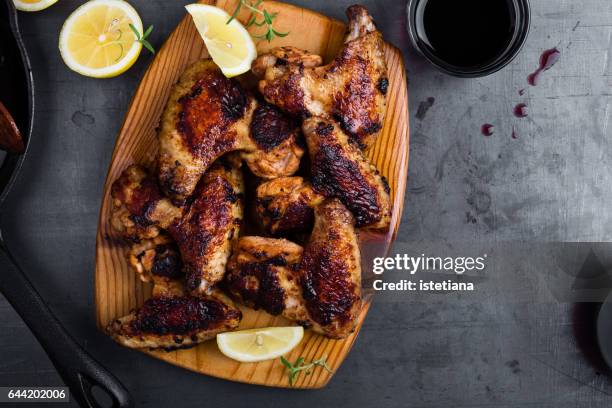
point(254, 345)
point(97, 41)
point(229, 45)
point(33, 5)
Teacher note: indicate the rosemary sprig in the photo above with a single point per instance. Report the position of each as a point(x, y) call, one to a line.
point(293, 370)
point(143, 38)
point(266, 19)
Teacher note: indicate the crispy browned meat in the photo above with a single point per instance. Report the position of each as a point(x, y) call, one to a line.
point(278, 143)
point(206, 231)
point(285, 55)
point(158, 260)
point(262, 274)
point(172, 318)
point(351, 89)
point(208, 115)
point(203, 230)
point(340, 169)
point(139, 210)
point(318, 287)
point(173, 322)
point(285, 205)
point(330, 271)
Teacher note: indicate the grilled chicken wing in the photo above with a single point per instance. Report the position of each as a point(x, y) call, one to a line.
point(212, 222)
point(285, 205)
point(172, 322)
point(319, 287)
point(330, 271)
point(262, 275)
point(209, 115)
point(351, 89)
point(203, 230)
point(340, 169)
point(172, 318)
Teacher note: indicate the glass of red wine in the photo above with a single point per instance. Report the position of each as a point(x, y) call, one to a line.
point(469, 38)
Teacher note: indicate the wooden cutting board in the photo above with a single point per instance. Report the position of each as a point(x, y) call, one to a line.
point(118, 290)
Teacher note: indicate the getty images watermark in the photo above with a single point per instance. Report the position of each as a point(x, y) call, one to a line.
point(414, 264)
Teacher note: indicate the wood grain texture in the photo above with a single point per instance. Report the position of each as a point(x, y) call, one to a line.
point(118, 289)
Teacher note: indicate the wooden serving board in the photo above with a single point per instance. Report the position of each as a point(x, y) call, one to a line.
point(118, 290)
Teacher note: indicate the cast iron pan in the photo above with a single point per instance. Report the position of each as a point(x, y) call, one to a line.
point(78, 369)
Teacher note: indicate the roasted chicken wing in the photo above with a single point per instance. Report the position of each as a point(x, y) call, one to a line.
point(203, 229)
point(351, 89)
point(330, 271)
point(318, 287)
point(172, 322)
point(208, 115)
point(262, 275)
point(340, 169)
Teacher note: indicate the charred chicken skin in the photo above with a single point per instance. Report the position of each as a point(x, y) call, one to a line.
point(318, 287)
point(183, 225)
point(158, 260)
point(276, 145)
point(172, 322)
point(330, 271)
point(262, 274)
point(208, 115)
point(339, 169)
point(203, 230)
point(171, 318)
point(351, 89)
point(285, 205)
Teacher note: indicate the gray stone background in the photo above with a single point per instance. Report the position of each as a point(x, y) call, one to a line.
point(461, 350)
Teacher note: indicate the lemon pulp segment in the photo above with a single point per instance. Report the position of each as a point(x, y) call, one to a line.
point(97, 40)
point(33, 5)
point(229, 44)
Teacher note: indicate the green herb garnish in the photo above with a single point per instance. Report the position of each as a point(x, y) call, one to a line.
point(143, 38)
point(266, 19)
point(293, 370)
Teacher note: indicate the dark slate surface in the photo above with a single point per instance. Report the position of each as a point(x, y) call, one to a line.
point(551, 183)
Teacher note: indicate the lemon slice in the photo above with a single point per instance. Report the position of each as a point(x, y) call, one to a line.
point(96, 39)
point(229, 45)
point(253, 345)
point(33, 5)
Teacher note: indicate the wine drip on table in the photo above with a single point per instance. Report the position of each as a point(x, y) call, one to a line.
point(547, 60)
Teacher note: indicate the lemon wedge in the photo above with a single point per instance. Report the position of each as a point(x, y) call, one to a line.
point(229, 45)
point(253, 345)
point(33, 5)
point(97, 41)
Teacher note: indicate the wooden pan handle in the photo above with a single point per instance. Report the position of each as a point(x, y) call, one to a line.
point(10, 136)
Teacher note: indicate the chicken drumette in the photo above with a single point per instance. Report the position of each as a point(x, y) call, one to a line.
point(208, 115)
point(351, 89)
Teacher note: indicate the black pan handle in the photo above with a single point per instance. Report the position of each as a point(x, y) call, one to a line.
point(77, 368)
